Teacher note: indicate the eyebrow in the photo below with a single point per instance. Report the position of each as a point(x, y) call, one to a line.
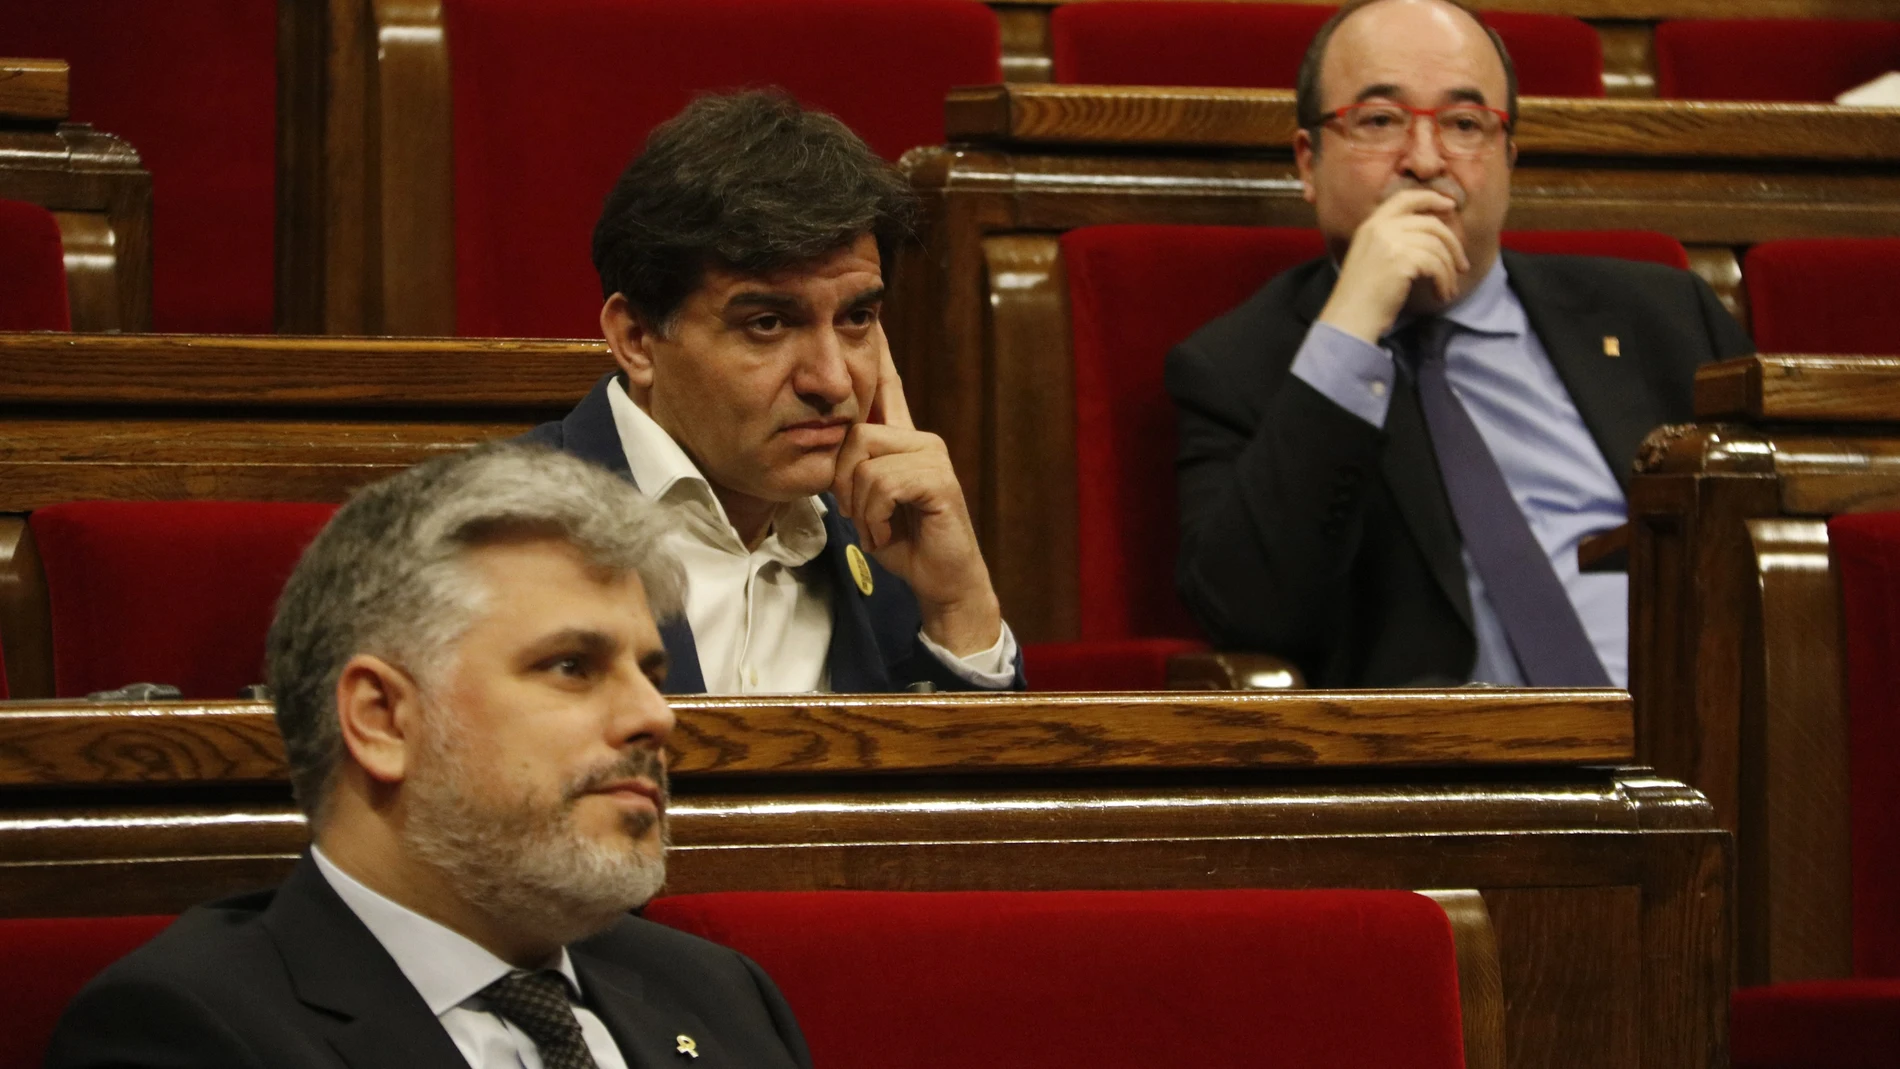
point(1461, 95)
point(596, 644)
point(654, 666)
point(870, 296)
point(770, 302)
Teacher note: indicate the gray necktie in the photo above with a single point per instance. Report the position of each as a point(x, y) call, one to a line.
point(1550, 643)
point(536, 1003)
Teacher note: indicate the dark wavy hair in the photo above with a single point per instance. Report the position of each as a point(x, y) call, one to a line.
point(750, 182)
point(1306, 86)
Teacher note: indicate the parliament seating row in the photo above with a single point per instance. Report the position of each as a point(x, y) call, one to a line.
point(1053, 979)
point(433, 166)
point(1604, 889)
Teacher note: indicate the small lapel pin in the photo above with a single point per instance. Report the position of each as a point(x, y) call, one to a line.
point(860, 568)
point(687, 1046)
point(1611, 346)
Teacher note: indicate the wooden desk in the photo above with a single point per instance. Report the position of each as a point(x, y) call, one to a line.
point(979, 313)
point(95, 187)
point(1607, 888)
point(1735, 628)
point(1626, 27)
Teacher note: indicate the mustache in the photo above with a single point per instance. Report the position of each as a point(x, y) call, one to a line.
point(1444, 185)
point(636, 764)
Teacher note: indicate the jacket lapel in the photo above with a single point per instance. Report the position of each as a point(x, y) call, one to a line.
point(589, 433)
point(647, 1030)
point(1572, 325)
point(336, 966)
point(854, 661)
point(1409, 466)
point(683, 673)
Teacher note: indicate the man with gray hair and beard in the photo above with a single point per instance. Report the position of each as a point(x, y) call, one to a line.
point(467, 671)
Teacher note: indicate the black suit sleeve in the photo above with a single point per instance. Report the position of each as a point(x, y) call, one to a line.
point(1271, 504)
point(122, 1023)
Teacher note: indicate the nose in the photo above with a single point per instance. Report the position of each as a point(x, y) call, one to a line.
point(641, 715)
point(823, 376)
point(1424, 157)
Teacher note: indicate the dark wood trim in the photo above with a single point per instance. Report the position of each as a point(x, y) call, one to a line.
point(97, 188)
point(1801, 389)
point(1480, 980)
point(34, 90)
point(189, 370)
point(25, 613)
point(414, 164)
point(1155, 116)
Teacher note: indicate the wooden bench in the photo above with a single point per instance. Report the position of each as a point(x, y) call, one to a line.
point(979, 311)
point(1735, 628)
point(95, 187)
point(1606, 886)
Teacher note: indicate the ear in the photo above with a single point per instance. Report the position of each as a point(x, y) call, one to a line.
point(1510, 152)
point(630, 339)
point(380, 712)
point(1304, 151)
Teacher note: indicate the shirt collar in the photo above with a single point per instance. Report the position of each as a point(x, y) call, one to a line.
point(1490, 307)
point(444, 966)
point(663, 472)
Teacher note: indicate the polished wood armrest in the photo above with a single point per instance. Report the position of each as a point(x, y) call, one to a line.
point(1605, 551)
point(1211, 670)
point(33, 90)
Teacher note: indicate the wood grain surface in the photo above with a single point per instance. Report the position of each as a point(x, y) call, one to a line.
point(270, 372)
point(1132, 116)
point(1798, 389)
point(33, 90)
point(237, 742)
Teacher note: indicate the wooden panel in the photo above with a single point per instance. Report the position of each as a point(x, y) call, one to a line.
point(75, 171)
point(33, 90)
point(1629, 59)
point(415, 167)
point(274, 372)
point(1569, 1011)
point(1264, 119)
point(1151, 732)
point(25, 614)
point(1801, 389)
point(1793, 870)
point(1480, 978)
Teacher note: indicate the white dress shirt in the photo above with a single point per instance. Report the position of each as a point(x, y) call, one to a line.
point(760, 617)
point(449, 971)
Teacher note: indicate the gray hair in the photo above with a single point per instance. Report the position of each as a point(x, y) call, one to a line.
point(388, 577)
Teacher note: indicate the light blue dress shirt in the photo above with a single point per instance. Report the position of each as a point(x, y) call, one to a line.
point(1505, 379)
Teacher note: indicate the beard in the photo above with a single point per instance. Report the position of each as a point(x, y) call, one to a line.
point(522, 858)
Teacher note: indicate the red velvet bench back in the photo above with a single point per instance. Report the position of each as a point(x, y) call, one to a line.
point(1102, 980)
point(44, 961)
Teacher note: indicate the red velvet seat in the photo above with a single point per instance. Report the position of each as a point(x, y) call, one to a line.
point(192, 84)
point(43, 964)
point(1852, 1023)
point(32, 269)
point(177, 592)
point(1825, 295)
point(1170, 42)
point(1101, 980)
point(552, 98)
point(1771, 59)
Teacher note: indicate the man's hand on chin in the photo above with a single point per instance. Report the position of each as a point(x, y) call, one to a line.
point(896, 484)
point(1405, 241)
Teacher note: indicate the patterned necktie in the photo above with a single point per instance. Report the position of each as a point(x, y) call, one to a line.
point(536, 1003)
point(1550, 643)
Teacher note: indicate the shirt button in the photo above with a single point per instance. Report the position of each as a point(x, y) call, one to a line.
point(752, 677)
point(1377, 388)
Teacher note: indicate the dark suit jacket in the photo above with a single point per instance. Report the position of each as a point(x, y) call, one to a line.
point(291, 979)
point(1308, 533)
point(874, 643)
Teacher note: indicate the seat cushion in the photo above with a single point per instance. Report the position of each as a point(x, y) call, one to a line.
point(177, 592)
point(1821, 1024)
point(32, 269)
point(1101, 979)
point(1812, 60)
point(43, 964)
point(1825, 295)
point(1106, 664)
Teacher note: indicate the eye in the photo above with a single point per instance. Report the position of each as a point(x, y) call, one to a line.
point(1379, 118)
point(766, 326)
point(861, 318)
point(568, 666)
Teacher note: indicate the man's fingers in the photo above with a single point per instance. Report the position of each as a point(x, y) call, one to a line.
point(888, 405)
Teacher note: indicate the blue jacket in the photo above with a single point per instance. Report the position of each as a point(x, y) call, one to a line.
point(874, 637)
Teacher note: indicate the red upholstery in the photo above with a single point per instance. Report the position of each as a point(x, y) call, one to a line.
point(1172, 42)
point(1771, 59)
point(552, 98)
point(1134, 292)
point(1822, 1024)
point(1825, 295)
point(176, 592)
point(1867, 554)
point(43, 964)
point(1107, 664)
point(1101, 980)
point(1644, 245)
point(32, 269)
point(192, 84)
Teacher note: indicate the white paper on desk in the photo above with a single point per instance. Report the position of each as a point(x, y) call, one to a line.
point(1882, 92)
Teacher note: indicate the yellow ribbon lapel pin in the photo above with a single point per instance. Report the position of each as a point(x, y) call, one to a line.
point(687, 1046)
point(860, 568)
